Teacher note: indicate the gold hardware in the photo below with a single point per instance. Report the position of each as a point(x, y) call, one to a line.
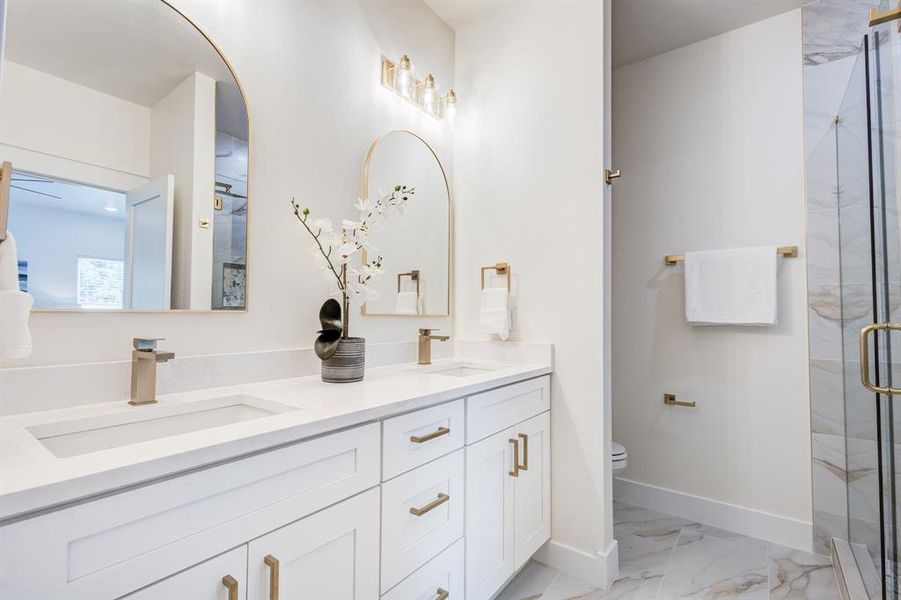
point(425, 345)
point(413, 275)
point(441, 499)
point(144, 358)
point(272, 563)
point(515, 471)
point(421, 439)
point(442, 594)
point(501, 268)
point(865, 358)
point(231, 584)
point(6, 174)
point(217, 202)
point(204, 223)
point(877, 18)
point(786, 251)
point(525, 451)
point(671, 400)
point(609, 176)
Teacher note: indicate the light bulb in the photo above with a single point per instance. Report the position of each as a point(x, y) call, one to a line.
point(404, 80)
point(450, 106)
point(428, 99)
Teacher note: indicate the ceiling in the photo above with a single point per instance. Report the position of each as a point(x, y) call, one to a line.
point(138, 50)
point(645, 28)
point(45, 192)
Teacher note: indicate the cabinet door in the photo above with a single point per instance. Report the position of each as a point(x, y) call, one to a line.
point(489, 515)
point(220, 578)
point(532, 488)
point(331, 555)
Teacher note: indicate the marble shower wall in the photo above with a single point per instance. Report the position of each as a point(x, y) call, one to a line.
point(832, 33)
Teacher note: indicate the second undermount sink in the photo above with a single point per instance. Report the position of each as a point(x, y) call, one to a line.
point(459, 369)
point(140, 424)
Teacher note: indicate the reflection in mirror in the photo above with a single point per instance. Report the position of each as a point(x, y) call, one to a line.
point(128, 136)
point(416, 248)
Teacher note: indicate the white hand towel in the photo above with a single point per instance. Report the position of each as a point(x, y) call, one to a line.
point(15, 338)
point(407, 303)
point(731, 287)
point(494, 316)
point(9, 264)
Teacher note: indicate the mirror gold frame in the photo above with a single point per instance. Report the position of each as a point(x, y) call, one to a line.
point(249, 197)
point(364, 195)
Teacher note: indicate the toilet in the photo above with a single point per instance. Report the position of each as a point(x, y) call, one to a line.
point(619, 458)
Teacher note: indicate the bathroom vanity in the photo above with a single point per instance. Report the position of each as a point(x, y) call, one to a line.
point(420, 482)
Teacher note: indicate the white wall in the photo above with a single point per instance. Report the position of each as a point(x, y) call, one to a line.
point(50, 125)
point(313, 114)
point(52, 240)
point(529, 190)
point(183, 143)
point(709, 138)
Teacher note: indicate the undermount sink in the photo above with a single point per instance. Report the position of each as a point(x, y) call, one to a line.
point(141, 424)
point(459, 369)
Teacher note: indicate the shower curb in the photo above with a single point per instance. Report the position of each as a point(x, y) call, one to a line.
point(847, 575)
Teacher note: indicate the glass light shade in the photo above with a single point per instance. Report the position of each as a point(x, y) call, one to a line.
point(404, 77)
point(450, 106)
point(428, 99)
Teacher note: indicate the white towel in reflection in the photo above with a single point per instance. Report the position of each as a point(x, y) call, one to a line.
point(494, 315)
point(407, 303)
point(9, 264)
point(731, 287)
point(15, 306)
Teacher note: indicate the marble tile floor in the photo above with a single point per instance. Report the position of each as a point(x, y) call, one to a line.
point(663, 557)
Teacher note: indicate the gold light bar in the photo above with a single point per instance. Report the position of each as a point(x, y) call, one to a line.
point(786, 251)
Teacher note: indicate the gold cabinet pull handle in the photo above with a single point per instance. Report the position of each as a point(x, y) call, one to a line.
point(231, 584)
point(515, 471)
point(272, 563)
point(525, 452)
point(442, 594)
point(441, 499)
point(865, 358)
point(421, 439)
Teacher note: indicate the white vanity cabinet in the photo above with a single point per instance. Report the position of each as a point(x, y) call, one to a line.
point(508, 486)
point(441, 503)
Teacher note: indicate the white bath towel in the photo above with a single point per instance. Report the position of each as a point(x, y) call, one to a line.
point(731, 287)
point(494, 316)
point(9, 264)
point(407, 303)
point(15, 337)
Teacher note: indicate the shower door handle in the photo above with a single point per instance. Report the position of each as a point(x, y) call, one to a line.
point(865, 358)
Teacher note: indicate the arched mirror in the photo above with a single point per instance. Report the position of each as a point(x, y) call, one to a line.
point(415, 246)
point(128, 135)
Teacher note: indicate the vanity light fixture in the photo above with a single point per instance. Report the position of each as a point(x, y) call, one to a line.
point(400, 78)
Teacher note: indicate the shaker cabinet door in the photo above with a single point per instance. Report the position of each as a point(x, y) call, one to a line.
point(532, 488)
point(223, 577)
point(490, 557)
point(330, 555)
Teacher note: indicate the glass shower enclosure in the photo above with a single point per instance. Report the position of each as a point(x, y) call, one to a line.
point(867, 144)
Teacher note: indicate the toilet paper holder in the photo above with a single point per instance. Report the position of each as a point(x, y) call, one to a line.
point(671, 400)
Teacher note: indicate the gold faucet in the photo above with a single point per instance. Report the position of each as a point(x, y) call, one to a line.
point(143, 370)
point(425, 345)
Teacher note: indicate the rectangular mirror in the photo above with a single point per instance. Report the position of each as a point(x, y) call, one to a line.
point(129, 153)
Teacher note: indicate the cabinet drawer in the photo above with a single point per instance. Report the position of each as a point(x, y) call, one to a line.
point(114, 545)
point(203, 582)
point(416, 438)
point(495, 410)
point(422, 514)
point(440, 577)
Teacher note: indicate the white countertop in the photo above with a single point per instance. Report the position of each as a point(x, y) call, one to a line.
point(33, 479)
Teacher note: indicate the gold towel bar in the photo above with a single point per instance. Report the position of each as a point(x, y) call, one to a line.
point(671, 400)
point(501, 268)
point(414, 275)
point(786, 251)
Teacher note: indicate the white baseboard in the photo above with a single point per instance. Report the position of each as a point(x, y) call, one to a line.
point(739, 519)
point(600, 569)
